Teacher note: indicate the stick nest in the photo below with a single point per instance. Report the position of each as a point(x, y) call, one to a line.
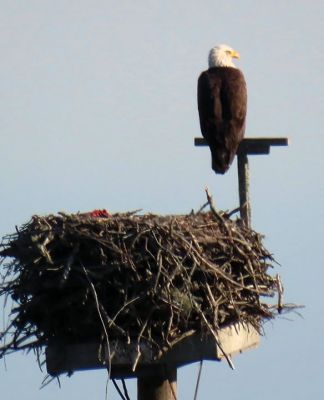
point(148, 278)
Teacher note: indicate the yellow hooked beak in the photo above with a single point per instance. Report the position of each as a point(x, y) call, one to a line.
point(235, 54)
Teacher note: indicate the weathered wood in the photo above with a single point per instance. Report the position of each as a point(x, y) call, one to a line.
point(160, 386)
point(66, 359)
point(252, 145)
point(244, 186)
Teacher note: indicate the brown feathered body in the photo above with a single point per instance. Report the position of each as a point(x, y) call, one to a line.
point(222, 104)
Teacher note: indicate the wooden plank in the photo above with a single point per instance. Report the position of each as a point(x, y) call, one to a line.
point(66, 359)
point(253, 148)
point(253, 145)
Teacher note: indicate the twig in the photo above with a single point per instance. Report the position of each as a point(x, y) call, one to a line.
point(139, 340)
point(232, 212)
point(211, 205)
point(125, 389)
point(202, 207)
point(118, 390)
point(69, 264)
point(226, 356)
point(101, 318)
point(280, 293)
point(112, 321)
point(198, 379)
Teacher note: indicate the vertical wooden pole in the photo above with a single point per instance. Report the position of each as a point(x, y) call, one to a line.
point(244, 186)
point(162, 386)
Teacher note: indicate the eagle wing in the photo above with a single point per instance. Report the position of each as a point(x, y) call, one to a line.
point(222, 104)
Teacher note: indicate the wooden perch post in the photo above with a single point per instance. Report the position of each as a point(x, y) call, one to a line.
point(248, 146)
point(244, 187)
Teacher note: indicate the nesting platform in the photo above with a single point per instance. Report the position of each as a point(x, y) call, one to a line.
point(233, 340)
point(128, 292)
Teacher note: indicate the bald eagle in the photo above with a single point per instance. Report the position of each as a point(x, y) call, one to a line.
point(222, 103)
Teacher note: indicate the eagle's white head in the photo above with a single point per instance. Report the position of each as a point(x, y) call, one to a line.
point(221, 56)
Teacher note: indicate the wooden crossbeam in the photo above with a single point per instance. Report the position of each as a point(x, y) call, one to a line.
point(248, 146)
point(252, 146)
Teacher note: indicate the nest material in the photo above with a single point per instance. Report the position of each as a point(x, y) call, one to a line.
point(134, 277)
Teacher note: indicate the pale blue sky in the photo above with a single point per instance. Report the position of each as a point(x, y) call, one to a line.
point(98, 110)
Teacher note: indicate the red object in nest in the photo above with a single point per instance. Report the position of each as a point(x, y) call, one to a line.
point(98, 214)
